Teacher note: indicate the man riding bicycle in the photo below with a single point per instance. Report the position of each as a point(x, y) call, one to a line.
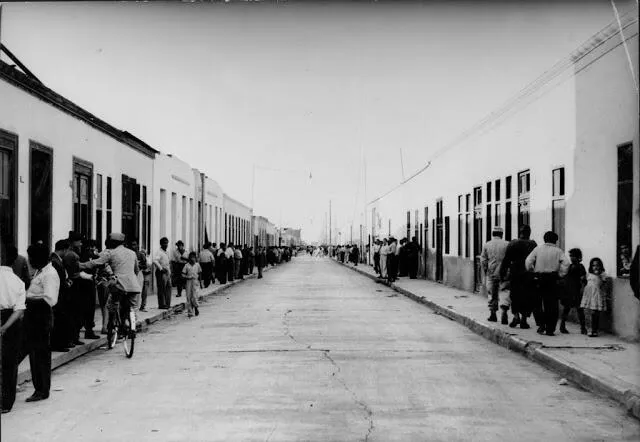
point(124, 264)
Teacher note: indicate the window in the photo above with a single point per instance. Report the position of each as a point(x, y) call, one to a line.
point(497, 190)
point(625, 209)
point(174, 216)
point(467, 226)
point(447, 241)
point(109, 201)
point(163, 215)
point(460, 225)
point(507, 209)
point(489, 227)
point(82, 174)
point(143, 242)
point(41, 193)
point(426, 229)
point(191, 216)
point(183, 237)
point(524, 186)
point(557, 205)
point(433, 232)
point(130, 208)
point(99, 210)
point(489, 191)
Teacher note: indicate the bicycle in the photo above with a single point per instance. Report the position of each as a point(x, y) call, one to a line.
point(119, 329)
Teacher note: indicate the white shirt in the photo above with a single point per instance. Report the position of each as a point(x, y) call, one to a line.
point(12, 292)
point(45, 285)
point(161, 260)
point(229, 253)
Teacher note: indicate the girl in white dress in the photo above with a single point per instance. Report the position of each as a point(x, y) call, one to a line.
point(597, 293)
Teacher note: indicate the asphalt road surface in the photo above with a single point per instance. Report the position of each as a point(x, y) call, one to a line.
point(313, 352)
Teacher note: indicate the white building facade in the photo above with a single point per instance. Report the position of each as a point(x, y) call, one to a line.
point(561, 156)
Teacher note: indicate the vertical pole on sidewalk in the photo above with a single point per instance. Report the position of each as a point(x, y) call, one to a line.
point(329, 222)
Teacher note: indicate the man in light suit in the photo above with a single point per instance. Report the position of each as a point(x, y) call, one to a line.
point(124, 264)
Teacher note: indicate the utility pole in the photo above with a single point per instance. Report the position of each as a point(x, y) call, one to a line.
point(329, 222)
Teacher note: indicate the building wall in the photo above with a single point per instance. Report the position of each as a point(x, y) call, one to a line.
point(214, 200)
point(32, 119)
point(575, 120)
point(173, 176)
point(238, 218)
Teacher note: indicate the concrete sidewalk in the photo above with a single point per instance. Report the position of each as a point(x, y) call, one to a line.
point(605, 365)
point(144, 320)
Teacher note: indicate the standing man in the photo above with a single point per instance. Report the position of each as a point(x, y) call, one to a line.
point(221, 264)
point(38, 319)
point(178, 261)
point(261, 260)
point(145, 271)
point(376, 257)
point(12, 307)
point(163, 275)
point(77, 295)
point(229, 255)
point(88, 289)
point(549, 264)
point(207, 261)
point(251, 259)
point(520, 281)
point(403, 264)
point(237, 260)
point(62, 332)
point(392, 260)
point(490, 260)
point(412, 249)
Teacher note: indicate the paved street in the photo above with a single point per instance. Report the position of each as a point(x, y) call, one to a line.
point(317, 352)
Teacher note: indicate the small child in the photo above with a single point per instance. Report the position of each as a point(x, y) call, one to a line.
point(596, 293)
point(191, 274)
point(571, 296)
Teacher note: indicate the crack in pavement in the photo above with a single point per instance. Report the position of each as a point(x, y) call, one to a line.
point(285, 323)
point(359, 402)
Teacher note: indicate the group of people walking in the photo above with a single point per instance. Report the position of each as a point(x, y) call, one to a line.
point(392, 259)
point(47, 302)
point(541, 277)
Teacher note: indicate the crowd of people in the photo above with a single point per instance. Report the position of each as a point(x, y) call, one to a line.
point(48, 299)
point(541, 278)
point(393, 259)
point(521, 276)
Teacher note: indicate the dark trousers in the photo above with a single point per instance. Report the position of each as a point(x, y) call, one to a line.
point(392, 267)
point(221, 272)
point(62, 333)
point(231, 268)
point(207, 273)
point(146, 283)
point(413, 267)
point(11, 342)
point(376, 262)
point(259, 272)
point(251, 265)
point(522, 294)
point(546, 301)
point(38, 321)
point(88, 300)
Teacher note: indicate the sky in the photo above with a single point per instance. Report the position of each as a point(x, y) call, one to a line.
point(300, 89)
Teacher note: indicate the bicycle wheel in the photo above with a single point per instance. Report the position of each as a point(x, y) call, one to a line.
point(129, 339)
point(112, 330)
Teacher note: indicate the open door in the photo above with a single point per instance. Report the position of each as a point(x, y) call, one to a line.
point(477, 236)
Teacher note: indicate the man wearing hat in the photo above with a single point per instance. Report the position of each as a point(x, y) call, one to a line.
point(490, 260)
point(124, 264)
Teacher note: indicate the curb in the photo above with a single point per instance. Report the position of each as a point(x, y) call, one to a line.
point(141, 327)
point(629, 398)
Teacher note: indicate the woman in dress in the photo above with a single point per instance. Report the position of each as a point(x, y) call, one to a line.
point(596, 294)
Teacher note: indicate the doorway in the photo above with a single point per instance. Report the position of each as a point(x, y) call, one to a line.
point(439, 242)
point(41, 188)
point(477, 236)
point(8, 188)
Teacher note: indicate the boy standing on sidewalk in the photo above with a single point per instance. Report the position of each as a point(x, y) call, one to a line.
point(191, 274)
